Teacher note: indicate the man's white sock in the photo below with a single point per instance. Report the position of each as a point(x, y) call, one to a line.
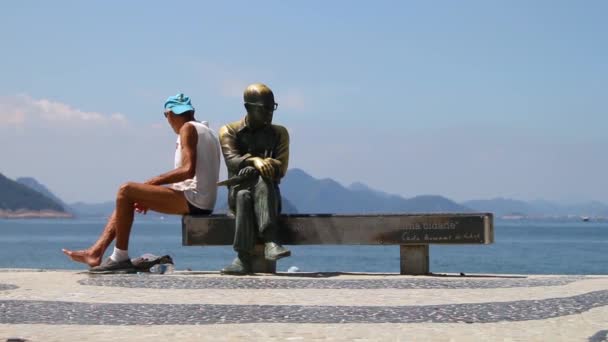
point(119, 255)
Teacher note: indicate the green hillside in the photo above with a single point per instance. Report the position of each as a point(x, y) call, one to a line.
point(15, 196)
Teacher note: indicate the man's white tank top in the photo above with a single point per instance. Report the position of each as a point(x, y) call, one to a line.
point(201, 191)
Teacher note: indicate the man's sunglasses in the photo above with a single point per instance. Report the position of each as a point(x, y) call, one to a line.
point(259, 105)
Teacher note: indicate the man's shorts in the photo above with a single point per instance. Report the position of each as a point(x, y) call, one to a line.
point(193, 210)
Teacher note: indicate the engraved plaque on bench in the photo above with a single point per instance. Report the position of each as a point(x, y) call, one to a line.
point(386, 229)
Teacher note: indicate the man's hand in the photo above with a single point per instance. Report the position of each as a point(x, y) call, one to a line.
point(265, 167)
point(140, 208)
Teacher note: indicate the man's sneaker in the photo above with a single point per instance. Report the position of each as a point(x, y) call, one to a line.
point(111, 266)
point(273, 251)
point(240, 266)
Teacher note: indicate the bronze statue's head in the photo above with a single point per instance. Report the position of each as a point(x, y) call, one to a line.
point(260, 105)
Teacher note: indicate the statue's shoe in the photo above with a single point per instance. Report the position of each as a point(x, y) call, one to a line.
point(110, 266)
point(273, 251)
point(238, 267)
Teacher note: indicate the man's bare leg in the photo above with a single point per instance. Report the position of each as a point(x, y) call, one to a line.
point(93, 255)
point(153, 197)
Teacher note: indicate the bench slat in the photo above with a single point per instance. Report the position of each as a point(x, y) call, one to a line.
point(392, 229)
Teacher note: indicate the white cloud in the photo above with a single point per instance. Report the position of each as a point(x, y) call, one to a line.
point(19, 110)
point(82, 155)
point(11, 116)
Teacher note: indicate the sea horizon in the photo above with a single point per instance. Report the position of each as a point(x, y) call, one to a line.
point(520, 247)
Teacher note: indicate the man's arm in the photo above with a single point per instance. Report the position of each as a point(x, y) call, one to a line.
point(189, 138)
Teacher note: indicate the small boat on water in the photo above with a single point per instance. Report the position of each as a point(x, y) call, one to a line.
point(585, 218)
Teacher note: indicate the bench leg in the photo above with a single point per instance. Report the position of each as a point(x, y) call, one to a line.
point(261, 265)
point(414, 259)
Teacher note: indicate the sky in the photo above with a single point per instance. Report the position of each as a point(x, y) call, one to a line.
point(467, 99)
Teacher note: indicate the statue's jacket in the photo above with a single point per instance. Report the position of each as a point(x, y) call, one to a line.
point(239, 142)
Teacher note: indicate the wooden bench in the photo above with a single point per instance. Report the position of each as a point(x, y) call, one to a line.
point(412, 232)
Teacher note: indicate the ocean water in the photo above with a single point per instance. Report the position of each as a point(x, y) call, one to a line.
point(521, 247)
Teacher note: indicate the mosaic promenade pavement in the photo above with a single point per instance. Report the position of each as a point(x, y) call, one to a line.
point(73, 306)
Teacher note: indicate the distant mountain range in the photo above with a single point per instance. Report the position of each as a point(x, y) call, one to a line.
point(539, 208)
point(303, 193)
point(36, 186)
point(18, 200)
point(104, 209)
point(311, 195)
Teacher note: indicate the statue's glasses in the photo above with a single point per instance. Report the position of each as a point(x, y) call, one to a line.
point(263, 106)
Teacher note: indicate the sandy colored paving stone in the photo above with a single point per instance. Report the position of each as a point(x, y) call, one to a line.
point(23, 287)
point(79, 313)
point(568, 328)
point(64, 286)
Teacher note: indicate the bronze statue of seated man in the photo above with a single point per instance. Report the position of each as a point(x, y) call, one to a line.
point(256, 154)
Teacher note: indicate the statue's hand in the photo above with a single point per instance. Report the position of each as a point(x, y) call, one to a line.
point(263, 166)
point(273, 162)
point(276, 165)
point(247, 171)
